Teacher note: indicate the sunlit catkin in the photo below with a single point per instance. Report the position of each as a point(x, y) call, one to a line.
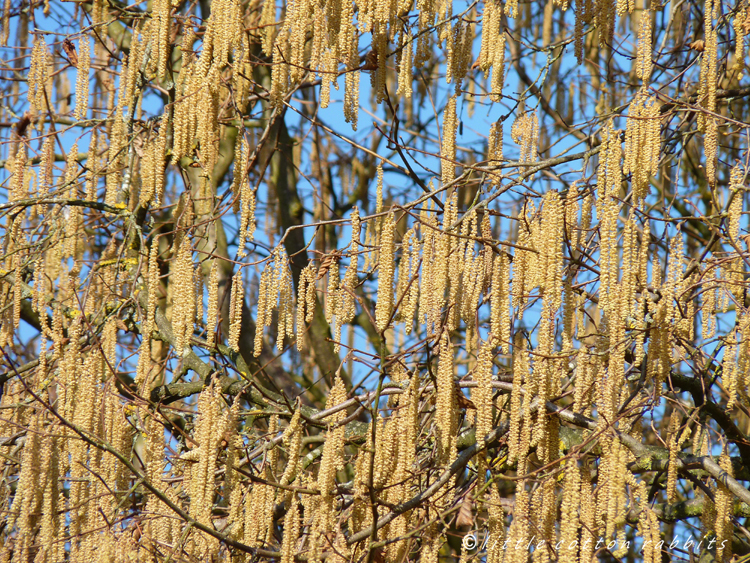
point(38, 77)
point(285, 327)
point(445, 406)
point(161, 30)
point(448, 147)
point(483, 394)
point(642, 144)
point(736, 194)
point(82, 79)
point(236, 303)
point(644, 64)
point(495, 143)
point(183, 311)
point(525, 132)
point(384, 305)
point(405, 73)
point(329, 266)
point(152, 287)
point(247, 200)
point(266, 296)
point(305, 301)
point(708, 85)
point(724, 511)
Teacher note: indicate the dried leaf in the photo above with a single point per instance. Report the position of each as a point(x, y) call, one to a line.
point(70, 51)
point(465, 513)
point(371, 61)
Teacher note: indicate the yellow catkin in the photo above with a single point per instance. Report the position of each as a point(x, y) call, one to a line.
point(332, 461)
point(285, 327)
point(707, 95)
point(291, 529)
point(448, 146)
point(305, 306)
point(82, 80)
point(247, 199)
point(569, 518)
point(520, 376)
point(736, 193)
point(28, 490)
point(495, 144)
point(483, 394)
point(740, 25)
point(161, 29)
point(525, 132)
point(384, 305)
point(153, 286)
point(723, 526)
point(407, 292)
point(674, 450)
point(236, 303)
point(730, 375)
point(642, 144)
point(445, 406)
point(643, 56)
point(330, 264)
point(183, 309)
point(405, 74)
point(263, 317)
point(605, 17)
point(351, 95)
point(198, 284)
point(373, 228)
point(212, 314)
point(209, 432)
point(38, 77)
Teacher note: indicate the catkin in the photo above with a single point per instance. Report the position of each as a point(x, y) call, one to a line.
point(247, 199)
point(723, 526)
point(406, 71)
point(305, 301)
point(82, 79)
point(642, 144)
point(38, 77)
point(525, 132)
point(161, 50)
point(708, 84)
point(448, 147)
point(445, 406)
point(643, 56)
point(483, 394)
point(384, 305)
point(183, 311)
point(736, 194)
point(495, 143)
point(236, 304)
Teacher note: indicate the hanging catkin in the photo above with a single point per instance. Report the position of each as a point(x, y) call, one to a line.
point(247, 199)
point(305, 301)
point(707, 95)
point(82, 79)
point(448, 147)
point(483, 395)
point(236, 303)
point(643, 56)
point(212, 313)
point(445, 406)
point(38, 77)
point(183, 309)
point(386, 268)
point(642, 144)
